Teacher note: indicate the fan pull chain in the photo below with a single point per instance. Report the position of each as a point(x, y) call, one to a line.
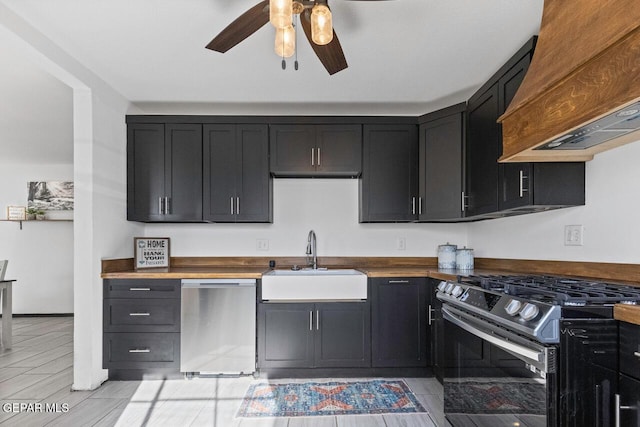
point(295, 26)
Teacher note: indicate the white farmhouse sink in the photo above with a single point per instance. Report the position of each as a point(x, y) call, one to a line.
point(312, 285)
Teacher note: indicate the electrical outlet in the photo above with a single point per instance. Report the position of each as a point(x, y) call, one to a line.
point(262, 244)
point(573, 235)
point(401, 244)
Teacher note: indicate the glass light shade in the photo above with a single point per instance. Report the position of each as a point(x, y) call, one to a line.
point(285, 44)
point(321, 25)
point(280, 12)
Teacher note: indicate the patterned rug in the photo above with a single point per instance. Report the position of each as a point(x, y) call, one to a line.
point(328, 398)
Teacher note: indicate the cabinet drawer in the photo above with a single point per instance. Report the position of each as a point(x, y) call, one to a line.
point(141, 350)
point(630, 349)
point(142, 315)
point(141, 288)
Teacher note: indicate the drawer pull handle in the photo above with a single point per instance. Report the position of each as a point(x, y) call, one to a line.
point(139, 289)
point(636, 353)
point(139, 350)
point(139, 314)
point(398, 281)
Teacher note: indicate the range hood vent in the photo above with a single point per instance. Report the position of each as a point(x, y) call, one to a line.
point(581, 94)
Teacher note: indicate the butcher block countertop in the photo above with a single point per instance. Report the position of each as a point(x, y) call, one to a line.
point(627, 313)
point(190, 273)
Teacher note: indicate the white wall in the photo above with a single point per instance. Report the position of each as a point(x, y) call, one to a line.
point(329, 207)
point(610, 219)
point(41, 254)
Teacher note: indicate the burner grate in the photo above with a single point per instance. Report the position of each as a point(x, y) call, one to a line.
point(560, 290)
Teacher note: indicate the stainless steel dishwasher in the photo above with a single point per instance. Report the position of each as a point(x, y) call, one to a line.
point(218, 327)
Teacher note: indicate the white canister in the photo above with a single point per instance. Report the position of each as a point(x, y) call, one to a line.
point(447, 256)
point(464, 259)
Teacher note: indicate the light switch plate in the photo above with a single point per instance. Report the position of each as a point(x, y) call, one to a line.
point(573, 235)
point(262, 244)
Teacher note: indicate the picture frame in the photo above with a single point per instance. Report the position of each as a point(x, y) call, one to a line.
point(16, 213)
point(151, 252)
point(3, 268)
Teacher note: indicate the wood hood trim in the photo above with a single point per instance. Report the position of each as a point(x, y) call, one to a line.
point(585, 66)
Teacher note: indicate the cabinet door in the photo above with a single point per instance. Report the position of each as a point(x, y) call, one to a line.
point(388, 188)
point(253, 181)
point(293, 150)
point(220, 170)
point(482, 152)
point(342, 335)
point(515, 178)
point(183, 172)
point(145, 172)
point(285, 335)
point(399, 329)
point(630, 398)
point(339, 149)
point(441, 168)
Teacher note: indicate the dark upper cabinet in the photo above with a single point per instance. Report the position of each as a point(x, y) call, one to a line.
point(164, 172)
point(399, 322)
point(388, 186)
point(495, 189)
point(316, 150)
point(441, 169)
point(237, 183)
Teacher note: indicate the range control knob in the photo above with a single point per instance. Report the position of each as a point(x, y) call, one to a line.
point(513, 307)
point(442, 285)
point(457, 291)
point(529, 311)
point(449, 288)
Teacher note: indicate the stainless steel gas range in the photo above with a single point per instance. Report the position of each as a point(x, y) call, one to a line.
point(530, 350)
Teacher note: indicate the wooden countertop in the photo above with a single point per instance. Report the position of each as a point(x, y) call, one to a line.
point(627, 313)
point(190, 273)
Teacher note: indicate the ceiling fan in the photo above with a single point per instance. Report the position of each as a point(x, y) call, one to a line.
point(315, 18)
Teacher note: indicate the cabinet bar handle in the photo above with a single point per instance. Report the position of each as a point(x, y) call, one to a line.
point(419, 205)
point(318, 156)
point(139, 289)
point(312, 157)
point(231, 198)
point(429, 314)
point(310, 320)
point(167, 205)
point(317, 320)
point(464, 204)
point(139, 350)
point(160, 206)
point(139, 314)
point(522, 178)
point(636, 353)
point(413, 205)
point(618, 408)
point(237, 205)
point(398, 281)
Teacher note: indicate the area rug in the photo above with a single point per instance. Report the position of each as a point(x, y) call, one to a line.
point(495, 397)
point(328, 398)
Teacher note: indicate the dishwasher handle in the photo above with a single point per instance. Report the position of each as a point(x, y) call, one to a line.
point(217, 283)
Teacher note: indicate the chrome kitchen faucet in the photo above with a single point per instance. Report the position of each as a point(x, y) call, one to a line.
point(312, 250)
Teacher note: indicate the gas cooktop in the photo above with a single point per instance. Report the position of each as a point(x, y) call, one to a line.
point(559, 290)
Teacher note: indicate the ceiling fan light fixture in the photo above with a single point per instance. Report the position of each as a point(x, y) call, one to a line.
point(280, 12)
point(285, 45)
point(321, 24)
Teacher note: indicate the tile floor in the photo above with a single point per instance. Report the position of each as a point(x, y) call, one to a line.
point(38, 371)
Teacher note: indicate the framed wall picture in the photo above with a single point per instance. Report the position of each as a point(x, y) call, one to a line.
point(151, 252)
point(16, 213)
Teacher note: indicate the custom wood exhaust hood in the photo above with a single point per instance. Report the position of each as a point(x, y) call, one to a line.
point(581, 94)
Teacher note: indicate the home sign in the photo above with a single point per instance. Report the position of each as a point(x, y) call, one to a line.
point(151, 252)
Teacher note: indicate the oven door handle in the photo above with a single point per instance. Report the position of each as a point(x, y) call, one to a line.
point(527, 353)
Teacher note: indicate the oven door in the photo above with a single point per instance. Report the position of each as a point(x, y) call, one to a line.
point(493, 377)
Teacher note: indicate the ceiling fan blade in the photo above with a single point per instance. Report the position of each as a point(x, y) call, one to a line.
point(331, 55)
point(245, 25)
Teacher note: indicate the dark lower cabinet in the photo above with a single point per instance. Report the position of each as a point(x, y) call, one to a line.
point(629, 379)
point(400, 332)
point(141, 328)
point(629, 392)
point(300, 335)
point(388, 187)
